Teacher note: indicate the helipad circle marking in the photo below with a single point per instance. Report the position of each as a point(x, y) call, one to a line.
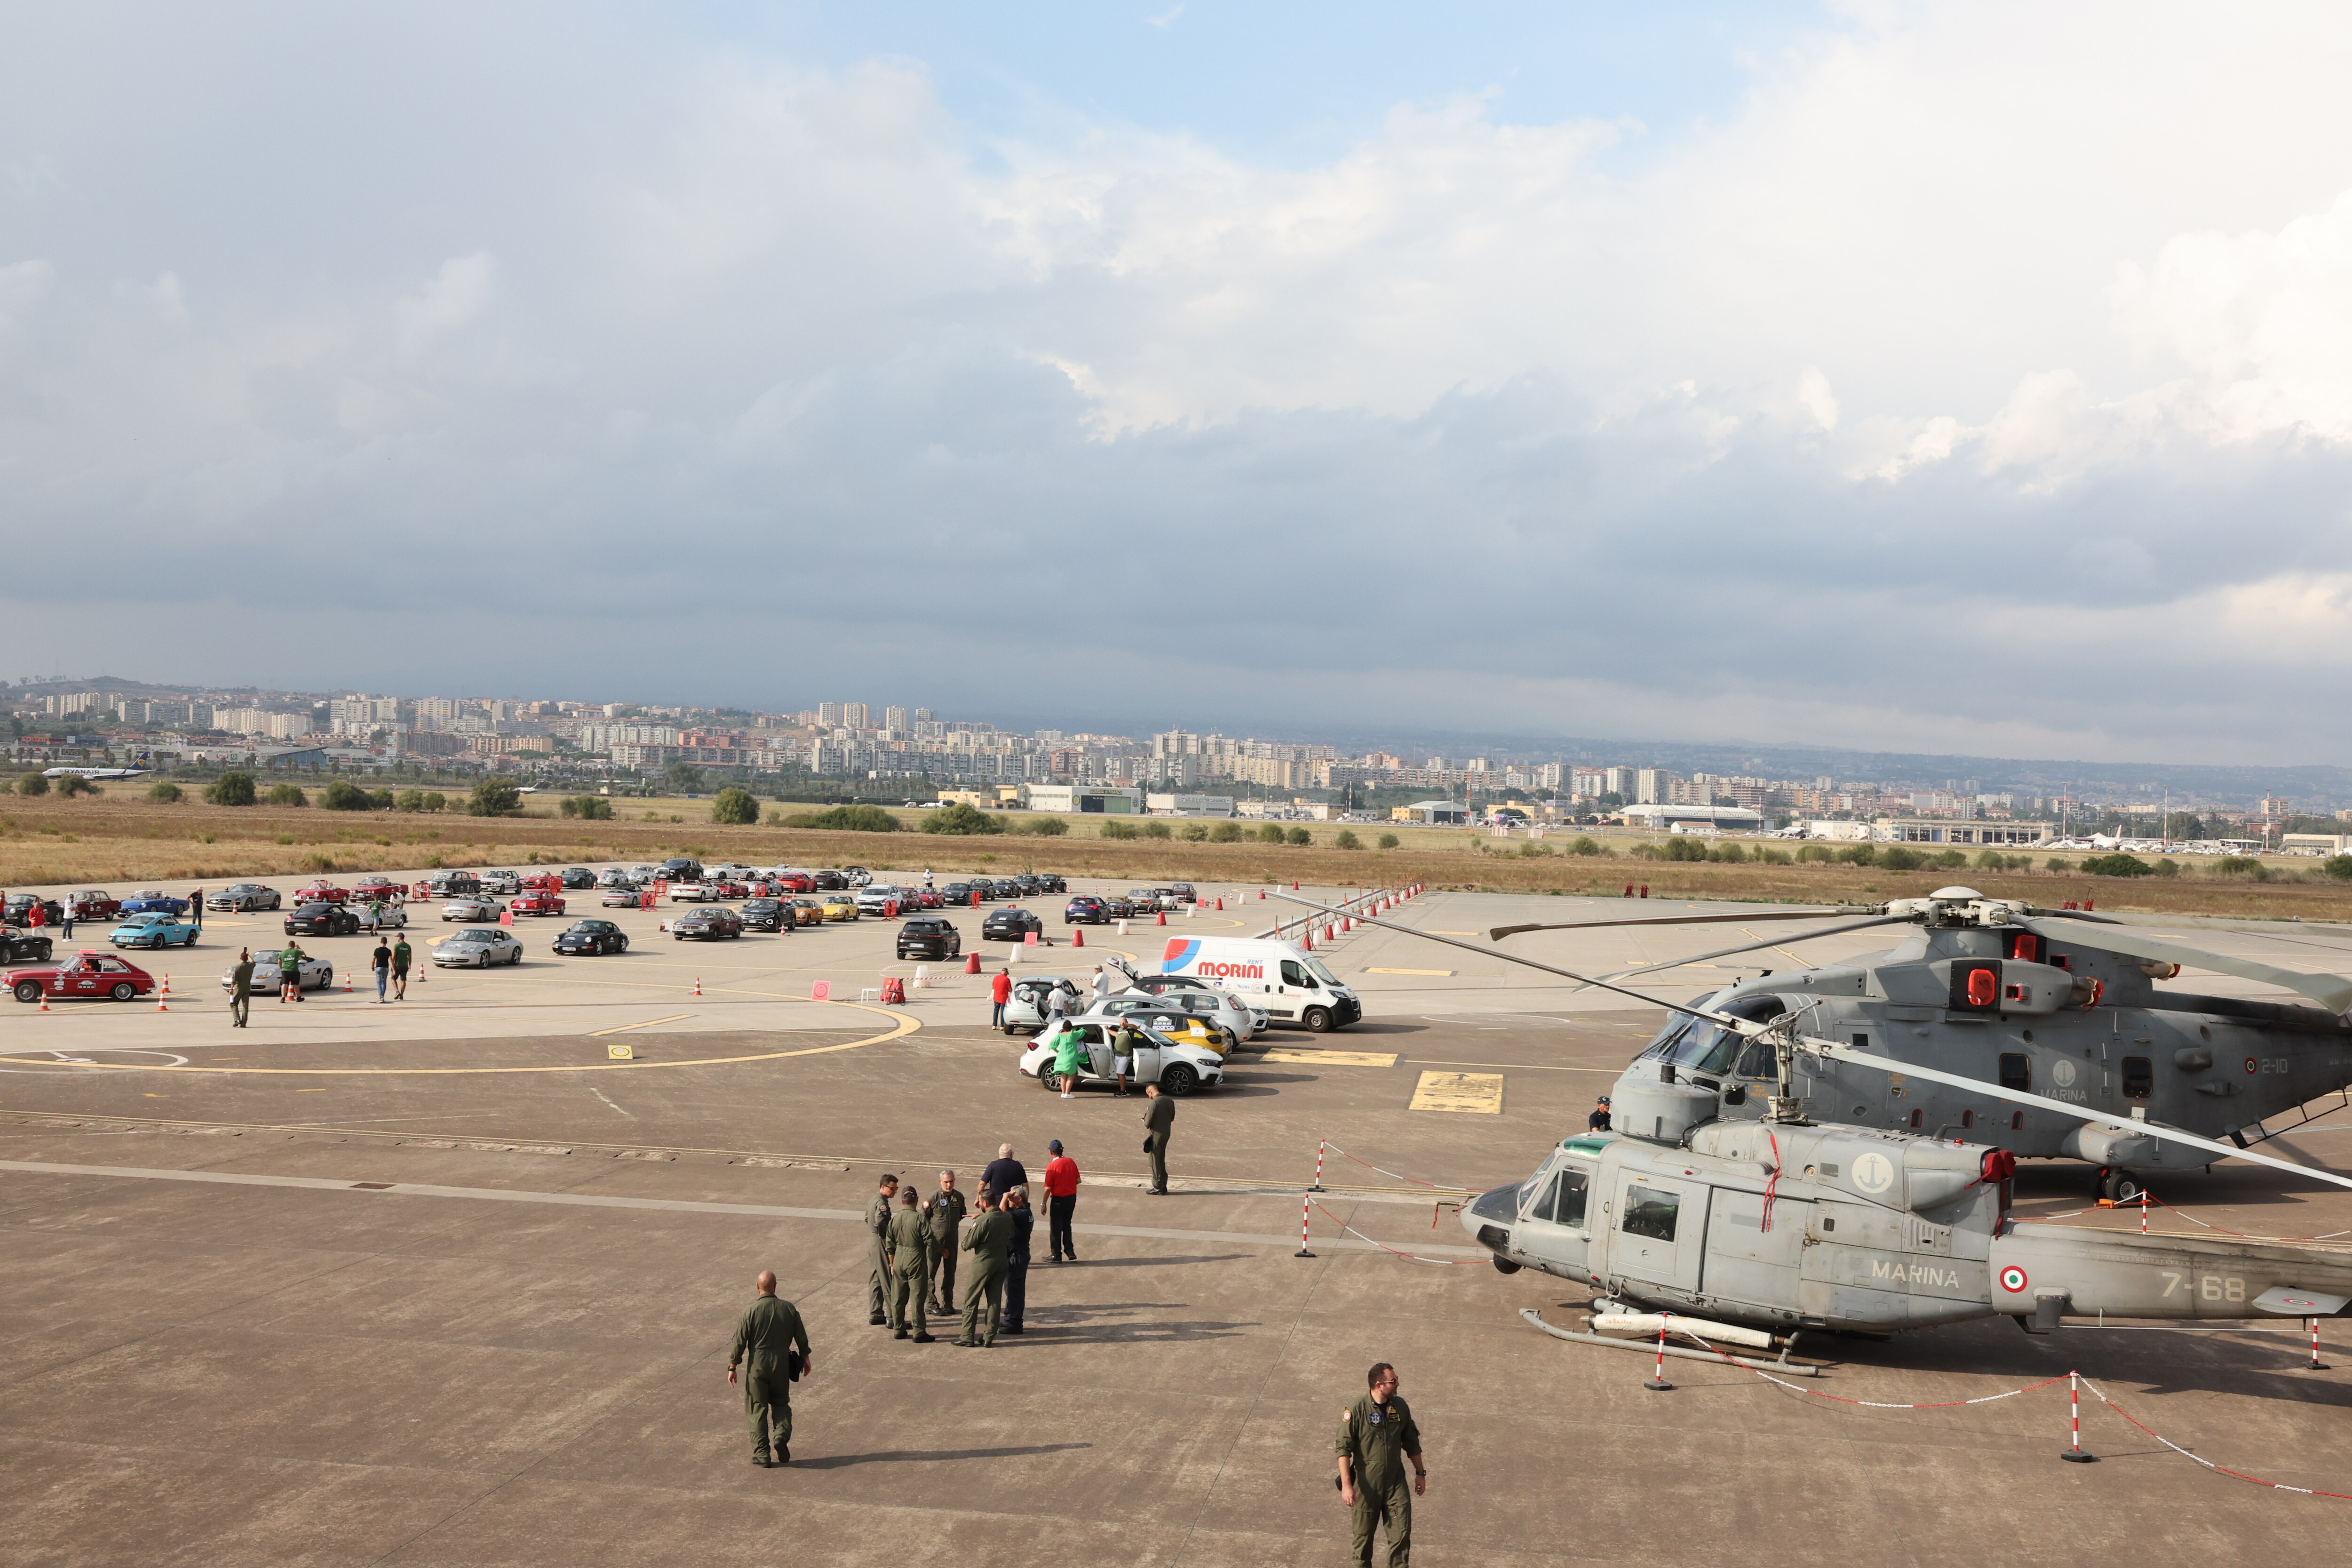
point(906, 1025)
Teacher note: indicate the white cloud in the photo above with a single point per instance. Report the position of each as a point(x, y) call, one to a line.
point(458, 294)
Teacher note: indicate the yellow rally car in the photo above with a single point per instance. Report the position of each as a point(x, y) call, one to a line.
point(840, 906)
point(807, 912)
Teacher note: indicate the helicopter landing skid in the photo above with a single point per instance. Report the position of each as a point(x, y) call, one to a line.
point(1650, 1348)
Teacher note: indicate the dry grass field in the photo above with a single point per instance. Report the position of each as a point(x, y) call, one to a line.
point(121, 836)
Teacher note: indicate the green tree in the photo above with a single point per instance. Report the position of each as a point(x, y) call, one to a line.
point(1155, 830)
point(33, 783)
point(410, 800)
point(344, 796)
point(962, 819)
point(596, 807)
point(1992, 860)
point(164, 793)
point(73, 784)
point(1348, 839)
point(1045, 826)
point(2338, 867)
point(1194, 833)
point(435, 801)
point(2118, 866)
point(1582, 843)
point(1858, 855)
point(1811, 854)
point(735, 807)
point(231, 788)
point(848, 819)
point(1390, 841)
point(494, 797)
point(1226, 833)
point(684, 778)
point(1952, 859)
point(288, 795)
point(1270, 834)
point(1298, 837)
point(1113, 827)
point(1895, 857)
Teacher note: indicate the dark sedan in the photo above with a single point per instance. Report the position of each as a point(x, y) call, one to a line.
point(1006, 888)
point(322, 920)
point(579, 877)
point(767, 914)
point(1011, 924)
point(706, 925)
point(18, 910)
point(829, 880)
point(1048, 882)
point(1085, 909)
point(591, 938)
point(932, 938)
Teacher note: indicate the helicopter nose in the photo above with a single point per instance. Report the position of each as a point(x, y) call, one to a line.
point(1488, 1218)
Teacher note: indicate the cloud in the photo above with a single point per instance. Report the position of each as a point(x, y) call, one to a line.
point(1933, 396)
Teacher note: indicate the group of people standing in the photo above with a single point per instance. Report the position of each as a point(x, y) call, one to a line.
point(914, 1243)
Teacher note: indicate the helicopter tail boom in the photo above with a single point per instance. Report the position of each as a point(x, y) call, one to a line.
point(2043, 1271)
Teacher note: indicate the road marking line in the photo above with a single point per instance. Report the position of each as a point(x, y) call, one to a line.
point(1408, 972)
point(648, 1023)
point(1477, 1092)
point(1517, 1066)
point(673, 1205)
point(1331, 1058)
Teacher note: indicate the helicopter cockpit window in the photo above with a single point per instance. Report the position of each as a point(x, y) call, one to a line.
point(1711, 1047)
point(1565, 1203)
point(1651, 1214)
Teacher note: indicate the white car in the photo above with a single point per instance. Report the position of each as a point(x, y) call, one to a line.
point(317, 974)
point(387, 917)
point(692, 893)
point(1229, 1017)
point(613, 877)
point(477, 949)
point(502, 882)
point(1177, 1066)
point(468, 907)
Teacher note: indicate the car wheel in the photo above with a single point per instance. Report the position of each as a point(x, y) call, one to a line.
point(1317, 1020)
point(1178, 1079)
point(28, 991)
point(516, 961)
point(1049, 1081)
point(123, 991)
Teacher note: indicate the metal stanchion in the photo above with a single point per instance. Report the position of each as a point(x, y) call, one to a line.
point(2073, 1454)
point(1305, 1206)
point(1658, 1382)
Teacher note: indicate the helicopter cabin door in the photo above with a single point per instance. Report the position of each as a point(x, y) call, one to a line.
point(1657, 1229)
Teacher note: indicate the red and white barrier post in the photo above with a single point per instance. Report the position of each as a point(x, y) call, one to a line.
point(1305, 1207)
point(1322, 1143)
point(1658, 1384)
point(2073, 1454)
point(2316, 1363)
point(2143, 1211)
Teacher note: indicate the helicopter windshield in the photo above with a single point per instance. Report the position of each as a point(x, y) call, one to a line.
point(1699, 1045)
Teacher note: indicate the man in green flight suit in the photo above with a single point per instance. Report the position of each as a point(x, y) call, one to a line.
point(1377, 1437)
point(240, 990)
point(877, 1227)
point(910, 1243)
point(989, 1239)
point(767, 1334)
point(947, 1212)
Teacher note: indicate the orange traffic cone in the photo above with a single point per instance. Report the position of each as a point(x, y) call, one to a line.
point(1077, 936)
point(160, 1007)
point(698, 985)
point(1220, 906)
point(1163, 917)
point(972, 964)
point(1294, 884)
point(167, 984)
point(347, 981)
point(45, 1004)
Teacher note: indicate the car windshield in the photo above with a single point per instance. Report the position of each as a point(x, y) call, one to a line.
point(471, 936)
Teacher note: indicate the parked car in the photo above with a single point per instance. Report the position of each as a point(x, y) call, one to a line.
point(321, 892)
point(93, 905)
point(726, 888)
point(1227, 1017)
point(87, 977)
point(1177, 1066)
point(477, 949)
point(317, 974)
point(1052, 883)
point(1024, 1010)
point(621, 898)
point(840, 906)
point(883, 900)
point(450, 884)
point(1011, 923)
point(502, 880)
point(613, 877)
point(828, 880)
point(375, 917)
point(808, 912)
point(792, 879)
point(18, 910)
point(1084, 908)
point(153, 900)
point(153, 930)
point(22, 947)
point(693, 892)
point(1117, 906)
point(321, 920)
point(706, 925)
point(471, 908)
point(679, 869)
point(767, 914)
point(382, 889)
point(955, 895)
point(537, 901)
point(858, 875)
point(240, 897)
point(930, 937)
point(578, 877)
point(591, 937)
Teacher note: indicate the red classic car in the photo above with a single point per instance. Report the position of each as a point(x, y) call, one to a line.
point(536, 901)
point(383, 889)
point(793, 881)
point(93, 905)
point(321, 891)
point(88, 975)
point(726, 888)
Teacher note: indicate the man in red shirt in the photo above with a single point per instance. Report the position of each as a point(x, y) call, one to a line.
point(1000, 992)
point(1061, 1201)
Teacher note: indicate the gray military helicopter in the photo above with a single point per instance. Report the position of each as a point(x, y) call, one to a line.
point(2058, 1001)
point(1769, 1225)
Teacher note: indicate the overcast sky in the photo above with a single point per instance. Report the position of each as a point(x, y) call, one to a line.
point(1971, 378)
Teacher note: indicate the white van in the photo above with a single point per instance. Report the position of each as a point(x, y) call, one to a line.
point(1288, 985)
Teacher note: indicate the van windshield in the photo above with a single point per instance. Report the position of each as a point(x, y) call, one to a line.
point(1314, 967)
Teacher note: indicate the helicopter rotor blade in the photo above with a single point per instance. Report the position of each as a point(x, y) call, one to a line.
point(1830, 1049)
point(1749, 1029)
point(1768, 942)
point(1498, 932)
point(2332, 992)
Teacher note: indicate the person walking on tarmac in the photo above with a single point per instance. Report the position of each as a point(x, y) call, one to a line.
point(947, 1212)
point(1017, 1214)
point(767, 1335)
point(1159, 1120)
point(878, 1229)
point(1000, 992)
point(240, 989)
point(989, 1239)
point(910, 1243)
point(1061, 1203)
point(927, 880)
point(1377, 1439)
point(402, 954)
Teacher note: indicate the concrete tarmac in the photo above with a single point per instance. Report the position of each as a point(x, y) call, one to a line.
point(446, 1285)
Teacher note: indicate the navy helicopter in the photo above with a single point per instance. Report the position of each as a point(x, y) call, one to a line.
point(2060, 1003)
point(1752, 1229)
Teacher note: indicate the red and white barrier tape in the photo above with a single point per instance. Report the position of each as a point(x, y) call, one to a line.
point(1416, 1181)
point(1394, 1252)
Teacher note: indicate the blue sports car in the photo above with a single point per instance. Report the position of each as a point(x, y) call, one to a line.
point(150, 901)
point(154, 929)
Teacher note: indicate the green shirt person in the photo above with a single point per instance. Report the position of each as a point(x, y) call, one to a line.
point(289, 973)
point(1069, 1057)
point(1378, 1438)
point(767, 1338)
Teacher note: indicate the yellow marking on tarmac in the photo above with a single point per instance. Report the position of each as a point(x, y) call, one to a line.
point(905, 1024)
point(1408, 972)
point(1479, 1093)
point(1331, 1058)
point(649, 1023)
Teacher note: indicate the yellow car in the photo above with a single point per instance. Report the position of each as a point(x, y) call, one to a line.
point(807, 912)
point(841, 907)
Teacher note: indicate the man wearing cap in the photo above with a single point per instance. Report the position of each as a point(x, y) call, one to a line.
point(1598, 1120)
point(910, 1266)
point(878, 1230)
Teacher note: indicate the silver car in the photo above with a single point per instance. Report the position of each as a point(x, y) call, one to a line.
point(477, 949)
point(613, 877)
point(317, 975)
point(241, 895)
point(467, 907)
point(1026, 1009)
point(1226, 1019)
point(381, 917)
point(623, 897)
point(500, 882)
